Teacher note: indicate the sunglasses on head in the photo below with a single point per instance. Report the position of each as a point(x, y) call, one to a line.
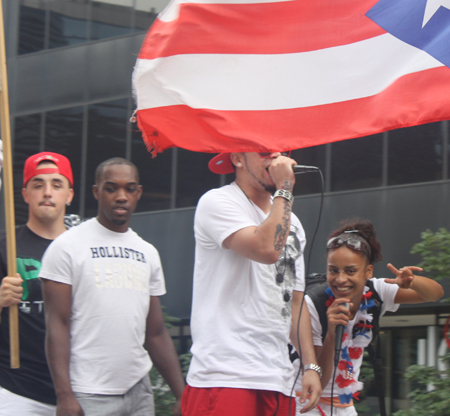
point(265, 155)
point(354, 242)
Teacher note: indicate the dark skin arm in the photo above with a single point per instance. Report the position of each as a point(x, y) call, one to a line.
point(58, 303)
point(412, 288)
point(337, 314)
point(310, 380)
point(160, 346)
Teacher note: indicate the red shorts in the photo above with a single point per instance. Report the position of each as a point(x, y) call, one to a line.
point(221, 401)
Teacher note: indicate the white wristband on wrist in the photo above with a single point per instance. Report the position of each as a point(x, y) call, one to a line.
point(284, 194)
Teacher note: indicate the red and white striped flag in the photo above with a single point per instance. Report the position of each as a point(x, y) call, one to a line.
point(246, 75)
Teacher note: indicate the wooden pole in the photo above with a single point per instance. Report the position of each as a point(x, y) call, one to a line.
point(9, 194)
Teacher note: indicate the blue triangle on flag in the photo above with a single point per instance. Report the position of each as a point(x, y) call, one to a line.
point(405, 19)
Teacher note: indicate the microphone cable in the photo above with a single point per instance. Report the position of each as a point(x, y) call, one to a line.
point(332, 389)
point(308, 262)
point(337, 354)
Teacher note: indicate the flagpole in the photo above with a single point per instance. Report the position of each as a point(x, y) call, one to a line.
point(9, 194)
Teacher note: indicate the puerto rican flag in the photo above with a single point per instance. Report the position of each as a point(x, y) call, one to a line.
point(257, 75)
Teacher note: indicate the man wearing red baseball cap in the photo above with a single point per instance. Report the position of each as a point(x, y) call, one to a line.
point(47, 189)
point(248, 286)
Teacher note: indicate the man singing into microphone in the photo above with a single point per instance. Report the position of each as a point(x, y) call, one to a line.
point(248, 286)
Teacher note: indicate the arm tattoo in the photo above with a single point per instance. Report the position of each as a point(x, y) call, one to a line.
point(287, 185)
point(278, 237)
point(282, 229)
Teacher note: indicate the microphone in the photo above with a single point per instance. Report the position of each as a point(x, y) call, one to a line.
point(304, 169)
point(339, 336)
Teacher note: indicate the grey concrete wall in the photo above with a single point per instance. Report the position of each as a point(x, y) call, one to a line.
point(400, 214)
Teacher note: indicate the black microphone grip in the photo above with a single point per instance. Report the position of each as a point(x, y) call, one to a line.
point(339, 336)
point(304, 169)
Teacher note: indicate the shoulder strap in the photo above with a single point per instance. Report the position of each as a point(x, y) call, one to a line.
point(319, 297)
point(375, 310)
point(375, 357)
point(315, 285)
point(375, 353)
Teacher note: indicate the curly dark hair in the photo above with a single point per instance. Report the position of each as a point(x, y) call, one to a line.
point(366, 230)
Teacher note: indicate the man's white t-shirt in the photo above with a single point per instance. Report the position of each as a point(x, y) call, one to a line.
point(241, 310)
point(112, 276)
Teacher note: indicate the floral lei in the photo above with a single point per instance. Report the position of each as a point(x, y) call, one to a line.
point(353, 348)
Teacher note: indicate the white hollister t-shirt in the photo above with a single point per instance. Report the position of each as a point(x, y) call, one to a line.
point(112, 276)
point(241, 311)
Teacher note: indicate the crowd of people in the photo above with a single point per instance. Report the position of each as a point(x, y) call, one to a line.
point(90, 319)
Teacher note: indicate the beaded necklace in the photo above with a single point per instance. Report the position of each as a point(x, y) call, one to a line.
point(353, 347)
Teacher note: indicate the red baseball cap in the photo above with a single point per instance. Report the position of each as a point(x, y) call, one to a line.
point(221, 164)
point(30, 169)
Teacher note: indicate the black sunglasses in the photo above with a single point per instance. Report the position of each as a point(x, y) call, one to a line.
point(265, 155)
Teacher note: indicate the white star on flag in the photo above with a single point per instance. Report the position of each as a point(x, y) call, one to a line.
point(273, 75)
point(432, 7)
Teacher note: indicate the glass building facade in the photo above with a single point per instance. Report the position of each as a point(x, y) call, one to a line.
point(89, 131)
point(69, 70)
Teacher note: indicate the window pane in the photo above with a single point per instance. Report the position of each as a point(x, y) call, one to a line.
point(415, 154)
point(155, 175)
point(31, 29)
point(63, 135)
point(357, 163)
point(309, 183)
point(110, 20)
point(106, 139)
point(193, 177)
point(26, 143)
point(68, 23)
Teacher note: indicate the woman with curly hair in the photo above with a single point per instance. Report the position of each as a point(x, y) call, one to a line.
point(350, 298)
